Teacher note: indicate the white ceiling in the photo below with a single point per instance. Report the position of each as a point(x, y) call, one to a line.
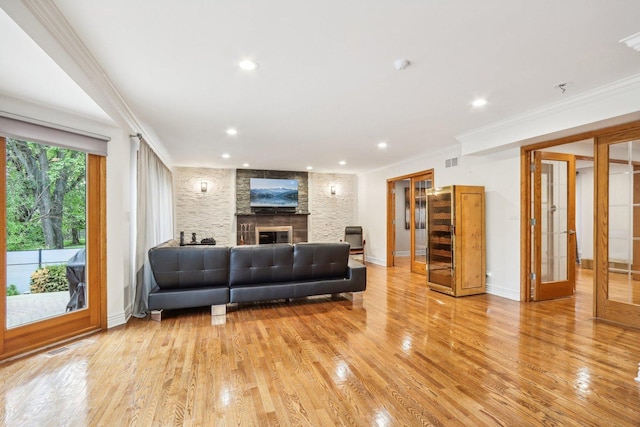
point(326, 89)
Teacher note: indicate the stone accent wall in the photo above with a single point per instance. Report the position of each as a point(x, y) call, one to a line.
point(330, 214)
point(209, 214)
point(219, 212)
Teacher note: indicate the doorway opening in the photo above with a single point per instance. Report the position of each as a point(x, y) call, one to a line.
point(406, 220)
point(605, 239)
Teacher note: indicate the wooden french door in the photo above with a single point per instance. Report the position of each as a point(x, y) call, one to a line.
point(553, 225)
point(29, 335)
point(617, 230)
point(414, 199)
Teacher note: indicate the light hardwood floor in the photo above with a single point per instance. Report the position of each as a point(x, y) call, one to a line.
point(407, 356)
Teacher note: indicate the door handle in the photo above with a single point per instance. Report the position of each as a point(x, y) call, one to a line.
point(570, 232)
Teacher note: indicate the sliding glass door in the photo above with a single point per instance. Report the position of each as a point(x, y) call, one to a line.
point(52, 213)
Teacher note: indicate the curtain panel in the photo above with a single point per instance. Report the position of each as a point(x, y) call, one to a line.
point(154, 219)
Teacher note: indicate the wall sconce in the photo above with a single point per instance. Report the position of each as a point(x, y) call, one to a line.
point(203, 186)
point(333, 190)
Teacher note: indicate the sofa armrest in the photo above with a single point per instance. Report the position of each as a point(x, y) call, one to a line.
point(357, 273)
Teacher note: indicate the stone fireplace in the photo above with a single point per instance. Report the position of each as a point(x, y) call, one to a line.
point(251, 228)
point(251, 219)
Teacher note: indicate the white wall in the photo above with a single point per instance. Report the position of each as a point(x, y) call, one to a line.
point(118, 205)
point(499, 173)
point(403, 235)
point(584, 212)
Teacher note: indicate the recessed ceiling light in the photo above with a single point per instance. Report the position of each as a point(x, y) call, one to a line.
point(309, 168)
point(342, 163)
point(232, 131)
point(245, 165)
point(382, 144)
point(225, 156)
point(480, 102)
point(248, 65)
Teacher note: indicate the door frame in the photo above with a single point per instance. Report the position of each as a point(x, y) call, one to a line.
point(599, 285)
point(41, 334)
point(391, 212)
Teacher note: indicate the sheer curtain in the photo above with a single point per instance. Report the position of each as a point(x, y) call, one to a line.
point(154, 219)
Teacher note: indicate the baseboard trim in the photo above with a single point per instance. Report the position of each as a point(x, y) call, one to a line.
point(117, 319)
point(502, 292)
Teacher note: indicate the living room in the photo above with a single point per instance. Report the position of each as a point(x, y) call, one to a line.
point(486, 141)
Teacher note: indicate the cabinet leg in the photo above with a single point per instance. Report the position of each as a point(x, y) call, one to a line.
point(219, 310)
point(156, 315)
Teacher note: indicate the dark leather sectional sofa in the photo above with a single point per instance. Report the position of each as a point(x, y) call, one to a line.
point(195, 276)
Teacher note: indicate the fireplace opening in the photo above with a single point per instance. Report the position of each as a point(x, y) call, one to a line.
point(267, 235)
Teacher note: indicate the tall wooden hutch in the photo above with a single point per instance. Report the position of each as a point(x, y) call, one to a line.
point(456, 240)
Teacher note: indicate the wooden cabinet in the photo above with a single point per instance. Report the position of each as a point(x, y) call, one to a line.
point(456, 240)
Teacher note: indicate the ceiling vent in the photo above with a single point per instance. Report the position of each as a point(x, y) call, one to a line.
point(452, 162)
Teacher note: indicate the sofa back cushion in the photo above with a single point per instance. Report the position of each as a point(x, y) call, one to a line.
point(175, 266)
point(260, 264)
point(320, 261)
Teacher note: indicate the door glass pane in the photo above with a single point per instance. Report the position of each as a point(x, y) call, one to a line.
point(624, 222)
point(46, 232)
point(555, 234)
point(420, 218)
point(441, 237)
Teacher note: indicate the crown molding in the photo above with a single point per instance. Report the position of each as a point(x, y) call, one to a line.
point(616, 99)
point(59, 29)
point(632, 41)
point(60, 41)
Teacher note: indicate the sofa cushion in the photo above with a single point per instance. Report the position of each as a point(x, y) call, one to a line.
point(261, 264)
point(189, 266)
point(187, 297)
point(315, 261)
point(261, 292)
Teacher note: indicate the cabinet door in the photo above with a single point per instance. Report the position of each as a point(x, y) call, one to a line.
point(440, 239)
point(469, 241)
point(418, 213)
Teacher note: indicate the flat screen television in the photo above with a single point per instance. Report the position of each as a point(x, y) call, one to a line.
point(273, 193)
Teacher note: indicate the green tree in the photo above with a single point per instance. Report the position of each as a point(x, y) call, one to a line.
point(45, 195)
